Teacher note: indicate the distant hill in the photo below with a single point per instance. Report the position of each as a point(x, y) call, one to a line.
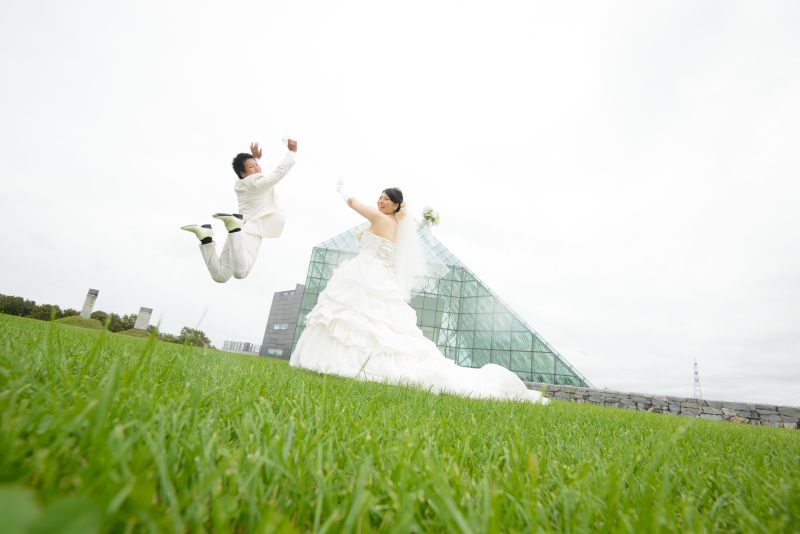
point(77, 320)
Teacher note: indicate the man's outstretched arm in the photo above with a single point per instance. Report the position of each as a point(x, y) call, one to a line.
point(268, 181)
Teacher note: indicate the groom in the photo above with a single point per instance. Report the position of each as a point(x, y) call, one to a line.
point(260, 215)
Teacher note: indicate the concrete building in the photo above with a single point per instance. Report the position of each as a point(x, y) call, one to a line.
point(282, 323)
point(242, 347)
point(88, 304)
point(143, 318)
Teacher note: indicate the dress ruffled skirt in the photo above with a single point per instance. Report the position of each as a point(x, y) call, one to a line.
point(361, 327)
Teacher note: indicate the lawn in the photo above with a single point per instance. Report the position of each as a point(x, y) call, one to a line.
point(106, 433)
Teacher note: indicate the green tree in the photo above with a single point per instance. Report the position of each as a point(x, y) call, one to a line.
point(196, 338)
point(16, 306)
point(99, 315)
point(69, 312)
point(128, 321)
point(44, 312)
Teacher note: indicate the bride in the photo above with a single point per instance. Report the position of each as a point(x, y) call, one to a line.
point(362, 326)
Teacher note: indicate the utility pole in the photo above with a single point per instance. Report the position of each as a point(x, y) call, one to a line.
point(698, 394)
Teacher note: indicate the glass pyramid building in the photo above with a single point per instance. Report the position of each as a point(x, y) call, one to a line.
point(468, 322)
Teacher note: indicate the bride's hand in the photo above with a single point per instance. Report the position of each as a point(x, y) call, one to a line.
point(342, 189)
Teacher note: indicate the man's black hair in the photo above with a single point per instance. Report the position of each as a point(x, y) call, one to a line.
point(238, 163)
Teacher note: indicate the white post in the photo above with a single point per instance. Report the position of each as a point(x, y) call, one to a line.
point(88, 304)
point(143, 319)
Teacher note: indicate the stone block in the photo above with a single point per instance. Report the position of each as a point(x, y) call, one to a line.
point(654, 409)
point(675, 408)
point(728, 411)
point(701, 402)
point(754, 421)
point(791, 411)
point(595, 398)
point(687, 414)
point(553, 387)
point(736, 405)
point(561, 395)
point(790, 425)
point(143, 318)
point(676, 399)
point(643, 395)
point(770, 418)
point(746, 413)
point(659, 397)
point(774, 424)
point(787, 419)
point(771, 407)
point(626, 401)
point(691, 405)
point(737, 419)
point(711, 417)
point(714, 404)
point(690, 411)
point(659, 402)
point(612, 404)
point(766, 412)
point(568, 389)
point(638, 399)
point(712, 411)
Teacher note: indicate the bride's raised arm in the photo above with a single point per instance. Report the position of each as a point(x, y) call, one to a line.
point(373, 215)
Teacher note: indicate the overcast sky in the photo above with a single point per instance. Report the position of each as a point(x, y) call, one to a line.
point(623, 174)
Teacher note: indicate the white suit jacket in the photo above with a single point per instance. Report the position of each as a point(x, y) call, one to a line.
point(258, 202)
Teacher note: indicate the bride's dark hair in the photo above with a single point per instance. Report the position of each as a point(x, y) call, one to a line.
point(395, 195)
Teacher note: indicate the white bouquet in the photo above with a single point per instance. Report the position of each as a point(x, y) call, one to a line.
point(430, 218)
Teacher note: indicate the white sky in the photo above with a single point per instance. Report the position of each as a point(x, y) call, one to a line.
point(623, 174)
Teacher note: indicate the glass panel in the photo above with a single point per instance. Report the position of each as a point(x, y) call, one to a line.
point(466, 339)
point(484, 291)
point(469, 289)
point(539, 346)
point(543, 362)
point(562, 369)
point(522, 341)
point(469, 305)
point(466, 321)
point(483, 340)
point(327, 271)
point(464, 357)
point(429, 318)
point(519, 326)
point(456, 288)
point(309, 301)
point(502, 358)
point(501, 340)
point(455, 304)
point(445, 287)
point(483, 321)
point(502, 321)
point(481, 357)
point(316, 272)
point(521, 361)
point(429, 303)
point(318, 255)
point(485, 304)
point(332, 257)
point(523, 376)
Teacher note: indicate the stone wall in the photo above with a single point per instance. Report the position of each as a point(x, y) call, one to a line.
point(735, 412)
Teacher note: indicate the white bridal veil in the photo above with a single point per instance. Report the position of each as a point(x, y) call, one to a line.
point(414, 261)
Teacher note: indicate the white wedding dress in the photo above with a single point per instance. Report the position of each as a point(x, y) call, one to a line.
point(362, 327)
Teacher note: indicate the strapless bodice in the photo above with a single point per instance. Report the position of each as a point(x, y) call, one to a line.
point(376, 247)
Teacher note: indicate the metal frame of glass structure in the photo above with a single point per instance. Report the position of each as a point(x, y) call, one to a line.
point(468, 322)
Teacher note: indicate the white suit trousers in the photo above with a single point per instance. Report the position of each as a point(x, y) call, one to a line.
point(237, 258)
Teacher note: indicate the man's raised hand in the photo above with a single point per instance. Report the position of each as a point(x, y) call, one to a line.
point(292, 144)
point(255, 151)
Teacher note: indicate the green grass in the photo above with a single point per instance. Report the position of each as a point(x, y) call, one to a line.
point(105, 433)
point(80, 322)
point(134, 332)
